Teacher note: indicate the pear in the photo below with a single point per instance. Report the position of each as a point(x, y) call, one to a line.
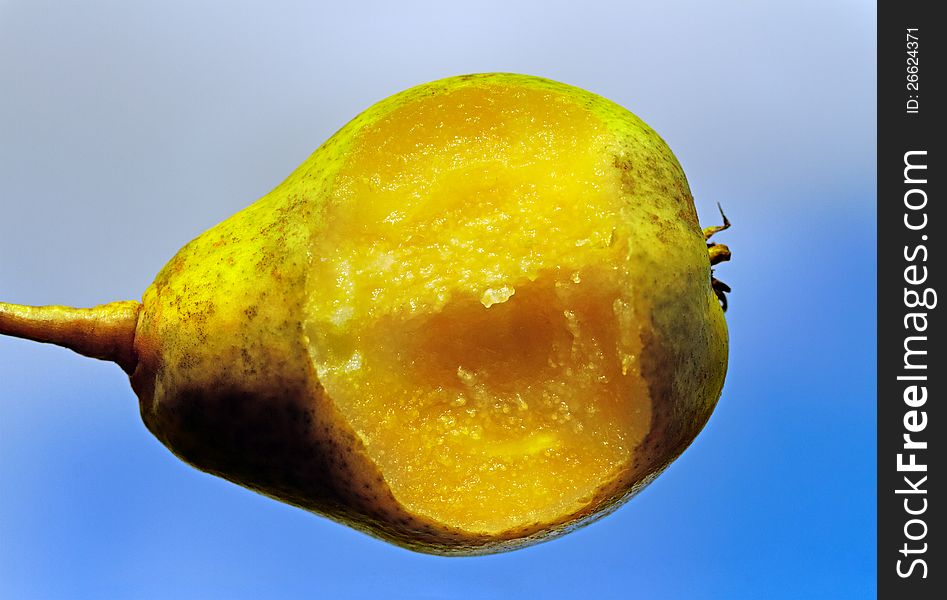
point(480, 315)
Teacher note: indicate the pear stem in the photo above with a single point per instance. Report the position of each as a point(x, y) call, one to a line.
point(106, 332)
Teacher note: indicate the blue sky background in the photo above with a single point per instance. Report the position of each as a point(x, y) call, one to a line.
point(126, 131)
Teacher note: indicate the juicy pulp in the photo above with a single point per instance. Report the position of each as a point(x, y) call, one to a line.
point(470, 311)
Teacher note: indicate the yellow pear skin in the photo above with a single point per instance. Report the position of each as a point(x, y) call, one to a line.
point(480, 315)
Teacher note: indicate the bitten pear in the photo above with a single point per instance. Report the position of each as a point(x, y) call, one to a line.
point(480, 315)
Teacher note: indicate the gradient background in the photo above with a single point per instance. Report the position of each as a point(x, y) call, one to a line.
point(126, 131)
